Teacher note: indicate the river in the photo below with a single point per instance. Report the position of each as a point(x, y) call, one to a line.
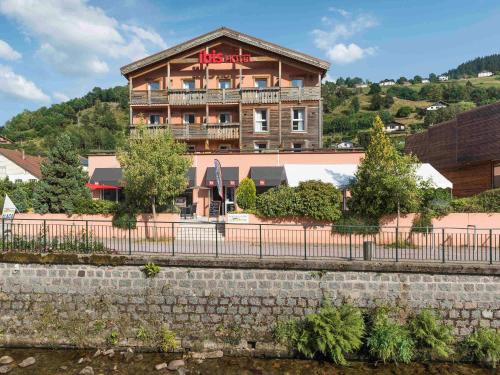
point(69, 362)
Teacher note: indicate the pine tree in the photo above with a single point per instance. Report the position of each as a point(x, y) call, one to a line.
point(62, 187)
point(386, 181)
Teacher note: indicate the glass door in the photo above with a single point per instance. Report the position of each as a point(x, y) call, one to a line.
point(229, 199)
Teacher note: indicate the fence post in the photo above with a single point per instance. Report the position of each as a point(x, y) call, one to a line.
point(305, 243)
point(442, 245)
point(491, 246)
point(397, 244)
point(350, 245)
point(129, 238)
point(45, 235)
point(216, 242)
point(260, 241)
point(86, 236)
point(3, 234)
point(173, 239)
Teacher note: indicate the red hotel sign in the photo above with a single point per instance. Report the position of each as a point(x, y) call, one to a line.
point(218, 58)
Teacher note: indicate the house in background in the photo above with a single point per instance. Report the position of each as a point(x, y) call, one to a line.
point(387, 82)
point(5, 141)
point(443, 78)
point(394, 126)
point(425, 80)
point(361, 85)
point(484, 73)
point(437, 105)
point(345, 144)
point(17, 166)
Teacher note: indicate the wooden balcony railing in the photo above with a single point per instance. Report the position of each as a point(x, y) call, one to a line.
point(228, 131)
point(244, 95)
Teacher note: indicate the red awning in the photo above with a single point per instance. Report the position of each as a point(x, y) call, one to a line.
point(102, 187)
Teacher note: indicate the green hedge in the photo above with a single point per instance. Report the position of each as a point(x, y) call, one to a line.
point(487, 201)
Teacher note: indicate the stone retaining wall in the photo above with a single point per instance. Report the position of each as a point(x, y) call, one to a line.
point(216, 307)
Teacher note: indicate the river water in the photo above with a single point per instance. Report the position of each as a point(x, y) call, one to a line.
point(66, 362)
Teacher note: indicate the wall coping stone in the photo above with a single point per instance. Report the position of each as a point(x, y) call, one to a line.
point(252, 263)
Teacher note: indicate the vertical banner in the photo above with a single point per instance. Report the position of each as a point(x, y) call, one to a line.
point(9, 209)
point(218, 178)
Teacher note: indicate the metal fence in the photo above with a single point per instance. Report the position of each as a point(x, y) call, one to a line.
point(253, 240)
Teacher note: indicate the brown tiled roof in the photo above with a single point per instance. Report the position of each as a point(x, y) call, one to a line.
point(28, 162)
point(232, 34)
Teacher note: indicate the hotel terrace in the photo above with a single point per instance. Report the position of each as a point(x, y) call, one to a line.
point(253, 105)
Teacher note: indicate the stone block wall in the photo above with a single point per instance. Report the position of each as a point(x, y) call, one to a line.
point(52, 304)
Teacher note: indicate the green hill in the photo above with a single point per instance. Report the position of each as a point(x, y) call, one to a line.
point(473, 67)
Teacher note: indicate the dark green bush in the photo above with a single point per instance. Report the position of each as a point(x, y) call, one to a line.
point(319, 201)
point(280, 201)
point(332, 333)
point(246, 194)
point(350, 223)
point(422, 223)
point(432, 336)
point(124, 219)
point(487, 201)
point(404, 111)
point(483, 346)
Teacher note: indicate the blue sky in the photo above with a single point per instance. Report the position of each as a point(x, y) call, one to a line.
point(51, 50)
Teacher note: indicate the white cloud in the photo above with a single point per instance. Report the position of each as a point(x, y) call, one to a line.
point(15, 85)
point(60, 97)
point(7, 52)
point(342, 12)
point(332, 36)
point(76, 37)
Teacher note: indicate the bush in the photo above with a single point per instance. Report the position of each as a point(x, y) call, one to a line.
point(332, 332)
point(404, 111)
point(125, 220)
point(319, 201)
point(280, 201)
point(431, 334)
point(246, 194)
point(483, 346)
point(487, 201)
point(150, 270)
point(422, 223)
point(465, 205)
point(389, 341)
point(350, 223)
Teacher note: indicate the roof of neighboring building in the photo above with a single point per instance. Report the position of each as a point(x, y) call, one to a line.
point(28, 162)
point(229, 33)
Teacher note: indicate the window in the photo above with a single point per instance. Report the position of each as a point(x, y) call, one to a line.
point(260, 146)
point(191, 148)
point(154, 85)
point(298, 120)
point(154, 119)
point(224, 147)
point(224, 118)
point(261, 82)
point(188, 118)
point(224, 84)
point(188, 84)
point(260, 122)
point(297, 147)
point(297, 82)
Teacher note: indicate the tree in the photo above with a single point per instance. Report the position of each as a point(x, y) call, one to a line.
point(433, 78)
point(374, 89)
point(385, 181)
point(417, 79)
point(354, 107)
point(376, 102)
point(62, 186)
point(154, 168)
point(404, 111)
point(246, 194)
point(388, 101)
point(402, 80)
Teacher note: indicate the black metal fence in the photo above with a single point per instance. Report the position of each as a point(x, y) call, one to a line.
point(253, 240)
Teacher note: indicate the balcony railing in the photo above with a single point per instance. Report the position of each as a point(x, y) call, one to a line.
point(244, 95)
point(228, 131)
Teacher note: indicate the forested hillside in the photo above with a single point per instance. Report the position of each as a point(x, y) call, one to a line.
point(98, 120)
point(473, 67)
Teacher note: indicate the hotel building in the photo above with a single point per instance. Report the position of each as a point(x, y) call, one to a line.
point(225, 90)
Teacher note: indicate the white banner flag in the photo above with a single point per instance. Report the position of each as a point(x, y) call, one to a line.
point(9, 208)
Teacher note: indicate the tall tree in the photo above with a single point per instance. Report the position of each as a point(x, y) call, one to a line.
point(62, 187)
point(154, 168)
point(386, 182)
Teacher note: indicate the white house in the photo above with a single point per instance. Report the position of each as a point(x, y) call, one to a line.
point(345, 144)
point(387, 82)
point(394, 126)
point(425, 80)
point(17, 166)
point(484, 73)
point(443, 78)
point(361, 85)
point(436, 106)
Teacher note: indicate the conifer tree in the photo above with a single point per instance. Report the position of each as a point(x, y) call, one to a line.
point(62, 187)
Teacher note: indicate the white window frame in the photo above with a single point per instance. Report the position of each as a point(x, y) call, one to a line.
point(228, 116)
point(153, 123)
point(297, 79)
point(255, 143)
point(224, 80)
point(188, 114)
point(260, 129)
point(184, 86)
point(297, 121)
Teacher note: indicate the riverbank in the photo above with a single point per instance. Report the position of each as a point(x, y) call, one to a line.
point(72, 362)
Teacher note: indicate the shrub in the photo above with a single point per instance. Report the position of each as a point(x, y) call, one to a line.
point(404, 111)
point(113, 338)
point(151, 270)
point(167, 340)
point(246, 194)
point(332, 332)
point(422, 223)
point(483, 346)
point(487, 201)
point(431, 334)
point(278, 202)
point(319, 201)
point(465, 205)
point(389, 341)
point(350, 223)
point(124, 218)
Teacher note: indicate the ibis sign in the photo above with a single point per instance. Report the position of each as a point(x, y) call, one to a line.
point(219, 58)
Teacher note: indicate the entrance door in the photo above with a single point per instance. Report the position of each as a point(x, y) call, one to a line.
point(229, 193)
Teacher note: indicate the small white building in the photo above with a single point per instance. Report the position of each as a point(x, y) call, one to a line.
point(361, 85)
point(425, 80)
point(443, 78)
point(484, 73)
point(345, 144)
point(436, 106)
point(387, 82)
point(394, 126)
point(17, 166)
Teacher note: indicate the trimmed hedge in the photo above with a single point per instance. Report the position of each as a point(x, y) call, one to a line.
point(487, 201)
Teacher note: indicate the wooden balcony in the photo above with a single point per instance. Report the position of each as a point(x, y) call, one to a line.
point(244, 95)
point(228, 131)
